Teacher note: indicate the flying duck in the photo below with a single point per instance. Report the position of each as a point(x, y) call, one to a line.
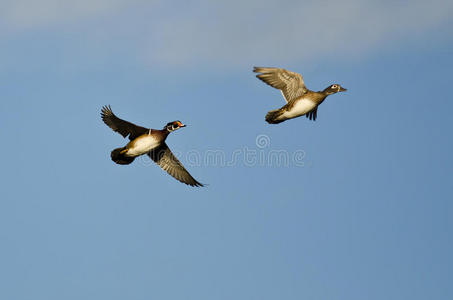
point(299, 99)
point(147, 141)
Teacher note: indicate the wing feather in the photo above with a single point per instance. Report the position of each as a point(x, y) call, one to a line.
point(291, 84)
point(311, 115)
point(168, 162)
point(123, 127)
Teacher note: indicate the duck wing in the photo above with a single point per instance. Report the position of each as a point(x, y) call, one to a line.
point(169, 163)
point(291, 84)
point(121, 126)
point(311, 115)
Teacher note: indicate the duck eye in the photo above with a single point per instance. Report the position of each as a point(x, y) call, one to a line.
point(334, 86)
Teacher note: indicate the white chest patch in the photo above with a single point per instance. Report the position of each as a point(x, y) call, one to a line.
point(142, 145)
point(300, 108)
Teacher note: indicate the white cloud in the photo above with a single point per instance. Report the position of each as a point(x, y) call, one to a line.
point(27, 14)
point(280, 31)
point(234, 32)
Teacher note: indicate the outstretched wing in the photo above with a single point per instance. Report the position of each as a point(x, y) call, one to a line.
point(168, 162)
point(312, 114)
point(124, 128)
point(291, 84)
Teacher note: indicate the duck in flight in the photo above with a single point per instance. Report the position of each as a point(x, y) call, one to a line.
point(299, 99)
point(147, 141)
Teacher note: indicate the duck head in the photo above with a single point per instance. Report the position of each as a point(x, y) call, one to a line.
point(334, 88)
point(175, 125)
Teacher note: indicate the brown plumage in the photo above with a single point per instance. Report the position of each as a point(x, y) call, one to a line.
point(163, 156)
point(124, 128)
point(299, 99)
point(147, 141)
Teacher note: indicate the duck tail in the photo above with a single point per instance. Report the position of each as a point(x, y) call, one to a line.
point(120, 158)
point(273, 115)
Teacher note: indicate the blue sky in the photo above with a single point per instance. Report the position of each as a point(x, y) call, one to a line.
point(365, 213)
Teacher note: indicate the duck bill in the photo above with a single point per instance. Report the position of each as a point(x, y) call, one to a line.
point(343, 89)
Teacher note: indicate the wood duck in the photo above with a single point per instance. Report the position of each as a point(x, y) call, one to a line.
point(299, 100)
point(147, 141)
